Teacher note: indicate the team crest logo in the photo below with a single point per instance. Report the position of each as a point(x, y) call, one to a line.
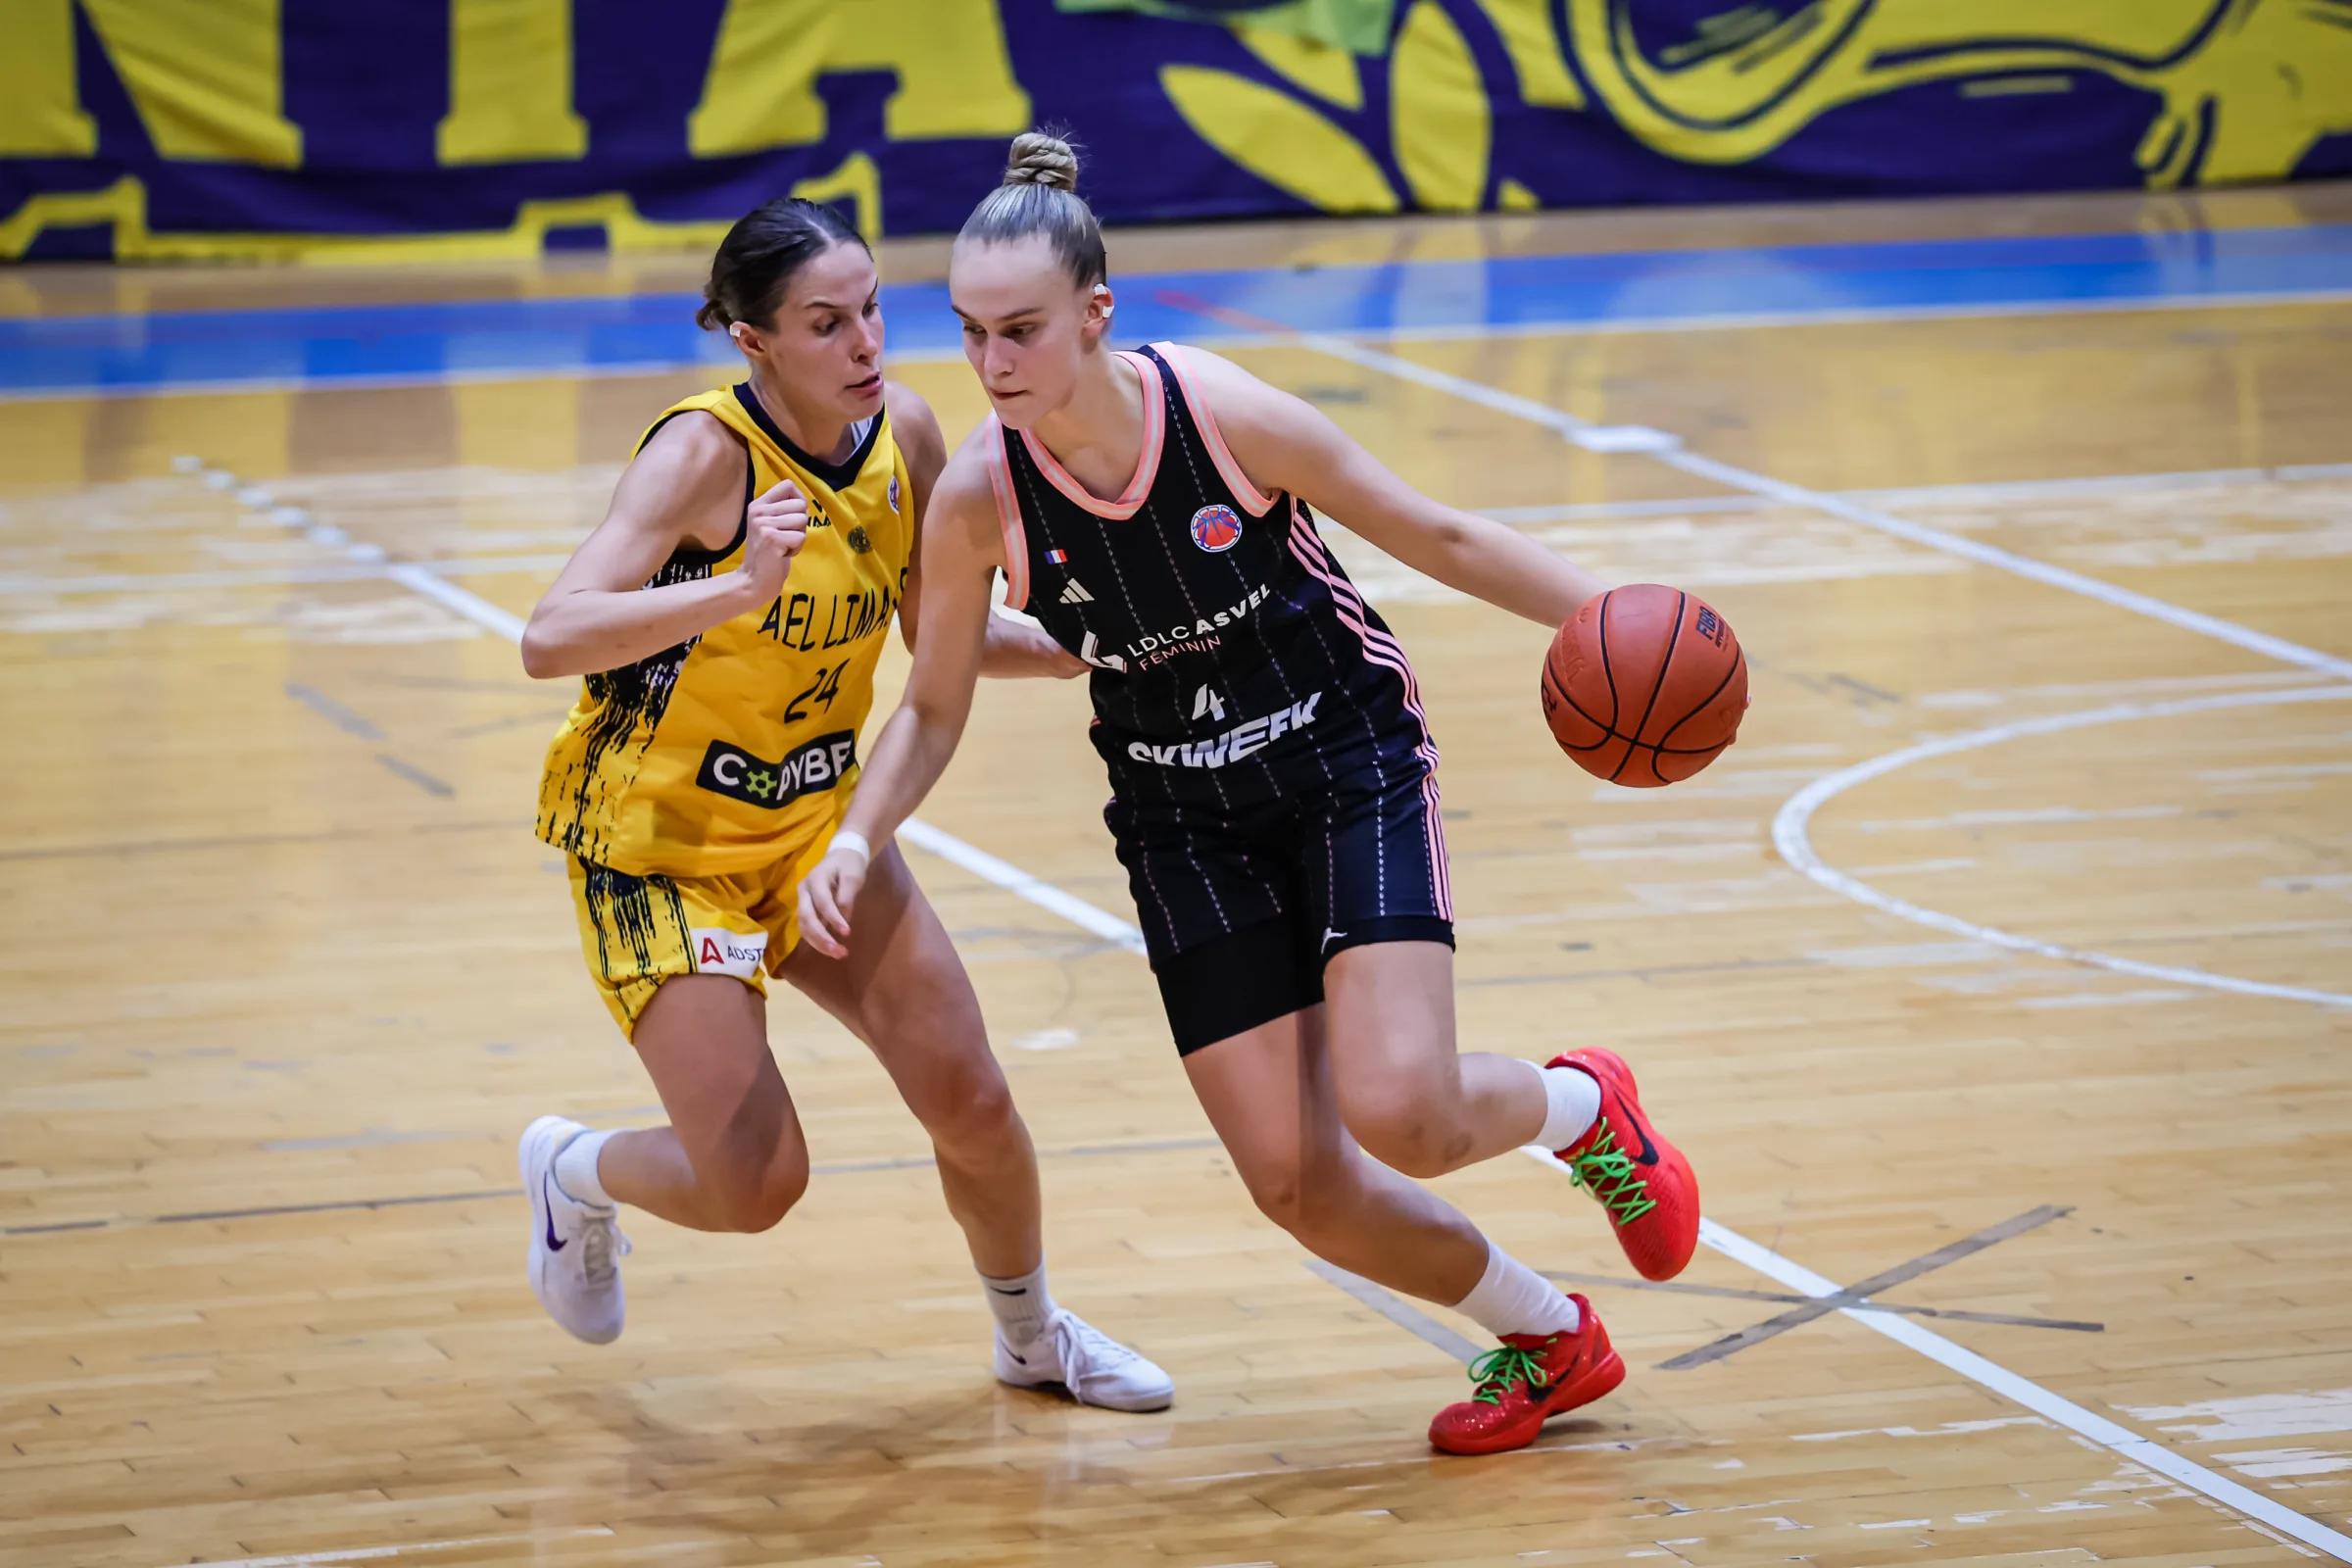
point(894, 492)
point(1217, 529)
point(859, 540)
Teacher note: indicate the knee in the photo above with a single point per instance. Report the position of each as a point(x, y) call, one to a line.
point(969, 1112)
point(1303, 1199)
point(753, 1199)
point(1411, 1129)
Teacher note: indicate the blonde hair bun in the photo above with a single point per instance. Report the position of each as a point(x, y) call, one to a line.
point(1037, 158)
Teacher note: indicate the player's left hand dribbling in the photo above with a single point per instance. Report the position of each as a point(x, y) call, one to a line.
point(827, 896)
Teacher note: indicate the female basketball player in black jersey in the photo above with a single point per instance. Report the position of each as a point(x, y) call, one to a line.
point(1275, 801)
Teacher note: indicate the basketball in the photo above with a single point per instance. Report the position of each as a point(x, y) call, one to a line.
point(1644, 685)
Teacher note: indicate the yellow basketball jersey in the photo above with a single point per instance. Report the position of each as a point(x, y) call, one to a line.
point(724, 753)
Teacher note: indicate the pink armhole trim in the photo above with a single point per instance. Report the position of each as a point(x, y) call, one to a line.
point(1204, 420)
point(1008, 523)
point(1147, 465)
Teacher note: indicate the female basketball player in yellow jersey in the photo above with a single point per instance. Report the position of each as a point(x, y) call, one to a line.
point(728, 614)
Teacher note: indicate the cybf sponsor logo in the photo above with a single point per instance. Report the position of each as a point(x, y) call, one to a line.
point(718, 950)
point(816, 765)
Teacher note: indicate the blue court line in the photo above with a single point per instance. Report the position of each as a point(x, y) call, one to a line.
point(375, 344)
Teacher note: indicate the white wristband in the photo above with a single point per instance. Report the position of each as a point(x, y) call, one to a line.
point(854, 843)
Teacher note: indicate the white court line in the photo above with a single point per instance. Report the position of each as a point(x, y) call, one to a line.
point(356, 570)
point(1789, 836)
point(464, 601)
point(307, 1560)
point(1987, 1374)
point(1789, 824)
point(1014, 880)
point(1456, 332)
point(362, 570)
point(2117, 1438)
point(1736, 478)
point(1860, 315)
point(1939, 494)
point(2010, 1384)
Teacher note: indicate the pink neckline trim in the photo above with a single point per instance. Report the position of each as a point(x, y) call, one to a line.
point(1147, 462)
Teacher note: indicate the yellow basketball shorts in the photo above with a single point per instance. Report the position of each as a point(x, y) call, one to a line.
point(638, 931)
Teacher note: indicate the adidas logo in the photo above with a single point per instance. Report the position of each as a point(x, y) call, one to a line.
point(1076, 594)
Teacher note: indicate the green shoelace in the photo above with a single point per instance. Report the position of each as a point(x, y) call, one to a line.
point(1609, 1174)
point(1497, 1369)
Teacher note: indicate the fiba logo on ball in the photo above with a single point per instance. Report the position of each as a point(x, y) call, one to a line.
point(1217, 529)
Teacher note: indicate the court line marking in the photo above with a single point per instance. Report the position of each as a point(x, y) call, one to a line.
point(1789, 837)
point(1012, 879)
point(356, 570)
point(1966, 1364)
point(1395, 1309)
point(1198, 1143)
point(1987, 1374)
point(1670, 451)
point(1763, 1260)
point(1856, 316)
point(2054, 489)
point(455, 566)
point(2111, 1435)
point(2000, 1320)
point(1861, 1291)
point(305, 1559)
point(463, 601)
point(1445, 333)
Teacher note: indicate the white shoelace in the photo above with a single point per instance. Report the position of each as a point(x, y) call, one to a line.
point(1083, 1346)
point(601, 1242)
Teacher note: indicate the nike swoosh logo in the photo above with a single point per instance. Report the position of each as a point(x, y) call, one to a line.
point(554, 1243)
point(1649, 1150)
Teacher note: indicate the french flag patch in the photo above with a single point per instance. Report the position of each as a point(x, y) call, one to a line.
point(1057, 556)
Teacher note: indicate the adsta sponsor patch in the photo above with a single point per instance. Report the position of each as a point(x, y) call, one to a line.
point(718, 950)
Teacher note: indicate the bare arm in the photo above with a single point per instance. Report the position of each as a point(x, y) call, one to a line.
point(1014, 648)
point(685, 488)
point(1018, 647)
point(960, 554)
point(1284, 443)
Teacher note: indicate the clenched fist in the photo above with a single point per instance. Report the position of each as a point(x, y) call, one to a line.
point(775, 528)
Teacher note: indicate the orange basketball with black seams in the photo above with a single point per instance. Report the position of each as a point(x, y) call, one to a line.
point(1645, 685)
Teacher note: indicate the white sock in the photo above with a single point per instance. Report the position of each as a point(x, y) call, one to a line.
point(1512, 1299)
point(576, 1169)
point(1571, 1105)
point(1022, 1305)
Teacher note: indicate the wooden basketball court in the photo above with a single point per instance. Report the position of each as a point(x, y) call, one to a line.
point(1998, 982)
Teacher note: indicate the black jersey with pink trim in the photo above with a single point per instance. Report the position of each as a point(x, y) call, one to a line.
point(1234, 663)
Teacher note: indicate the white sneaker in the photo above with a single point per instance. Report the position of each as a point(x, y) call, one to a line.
point(1093, 1367)
point(576, 1247)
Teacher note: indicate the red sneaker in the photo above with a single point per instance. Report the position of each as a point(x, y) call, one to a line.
point(1531, 1379)
point(1642, 1180)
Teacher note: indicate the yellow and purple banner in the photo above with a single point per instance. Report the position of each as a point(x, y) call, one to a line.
point(316, 128)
